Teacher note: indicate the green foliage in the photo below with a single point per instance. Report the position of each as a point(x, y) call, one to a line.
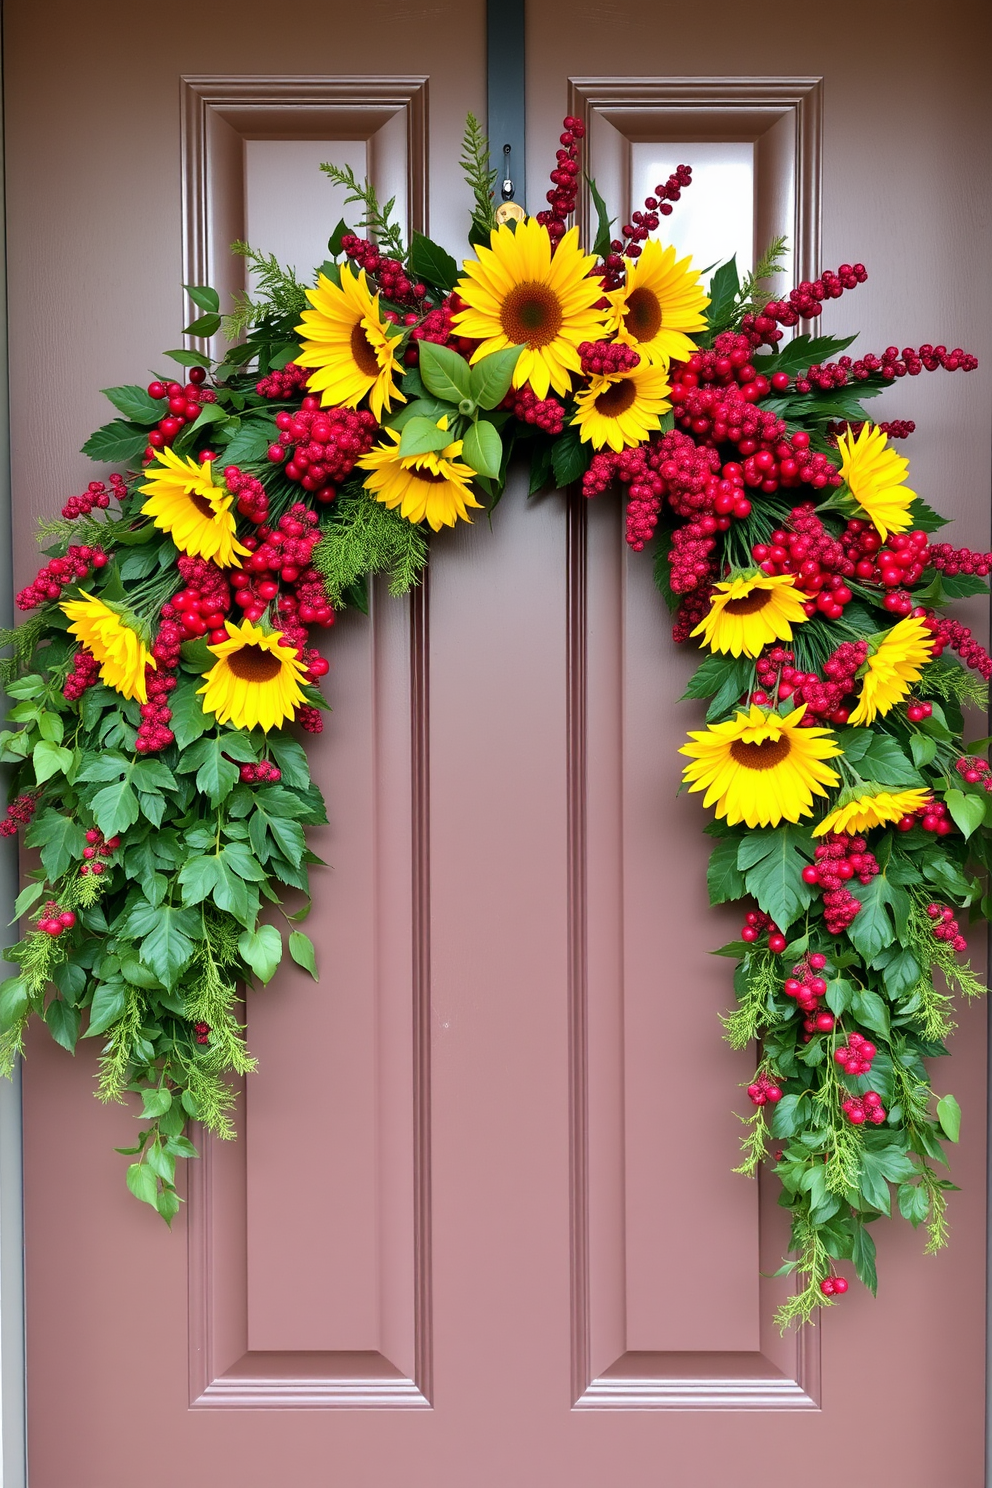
point(361, 537)
point(481, 180)
point(279, 294)
point(377, 218)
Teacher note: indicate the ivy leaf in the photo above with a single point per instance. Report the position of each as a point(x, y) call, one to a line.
point(60, 839)
point(490, 378)
point(444, 373)
point(483, 449)
point(429, 261)
point(872, 928)
point(116, 443)
point(724, 879)
point(115, 808)
point(198, 878)
point(302, 951)
point(135, 404)
point(261, 950)
point(166, 937)
point(949, 1116)
point(50, 759)
point(863, 1256)
point(772, 863)
point(107, 1006)
point(968, 812)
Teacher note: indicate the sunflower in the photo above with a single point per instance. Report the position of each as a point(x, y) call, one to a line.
point(661, 301)
point(183, 501)
point(348, 343)
point(892, 669)
point(256, 682)
point(761, 768)
point(518, 294)
point(747, 612)
point(865, 808)
point(431, 487)
point(622, 409)
point(118, 648)
point(875, 475)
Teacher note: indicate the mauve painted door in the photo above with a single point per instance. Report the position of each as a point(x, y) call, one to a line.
point(480, 1228)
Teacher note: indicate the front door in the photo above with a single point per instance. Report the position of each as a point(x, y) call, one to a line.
point(480, 1227)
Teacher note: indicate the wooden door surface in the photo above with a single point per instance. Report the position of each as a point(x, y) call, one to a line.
point(480, 1227)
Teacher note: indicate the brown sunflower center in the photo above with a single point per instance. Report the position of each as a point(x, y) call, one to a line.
point(617, 398)
point(763, 756)
point(364, 352)
point(434, 476)
point(642, 315)
point(202, 505)
point(531, 315)
point(749, 604)
point(253, 664)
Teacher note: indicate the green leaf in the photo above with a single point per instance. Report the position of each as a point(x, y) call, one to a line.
point(873, 928)
point(61, 841)
point(949, 1116)
point(63, 1023)
point(166, 937)
point(249, 443)
point(107, 1006)
point(803, 352)
point(302, 951)
point(884, 762)
point(723, 877)
point(205, 325)
point(604, 222)
point(429, 261)
point(490, 378)
point(790, 1116)
point(188, 358)
point(772, 863)
point(838, 996)
point(167, 1203)
point(423, 408)
point(291, 758)
point(863, 1256)
point(216, 776)
point(198, 878)
point(261, 950)
point(115, 808)
point(444, 373)
point(569, 458)
point(143, 1183)
point(135, 404)
point(49, 759)
point(116, 443)
point(724, 287)
point(156, 1102)
point(968, 812)
point(421, 436)
point(335, 241)
point(483, 449)
point(880, 1167)
point(189, 722)
point(14, 1003)
point(870, 1011)
point(203, 297)
point(28, 898)
point(924, 749)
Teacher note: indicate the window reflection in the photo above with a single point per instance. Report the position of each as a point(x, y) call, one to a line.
point(291, 206)
point(715, 217)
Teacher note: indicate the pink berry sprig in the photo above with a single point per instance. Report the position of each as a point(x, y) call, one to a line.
point(764, 1090)
point(945, 927)
point(756, 922)
point(264, 772)
point(861, 1108)
point(55, 921)
point(856, 1055)
point(832, 1286)
point(97, 847)
point(932, 816)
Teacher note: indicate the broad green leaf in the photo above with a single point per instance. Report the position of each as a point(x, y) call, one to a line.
point(198, 878)
point(444, 373)
point(838, 996)
point(863, 1256)
point(51, 727)
point(143, 1183)
point(302, 951)
point(724, 879)
point(949, 1116)
point(336, 239)
point(216, 776)
point(188, 358)
point(878, 1168)
point(967, 811)
point(261, 950)
point(203, 297)
point(135, 404)
point(291, 758)
point(569, 458)
point(772, 863)
point(423, 408)
point(803, 352)
point(61, 841)
point(604, 222)
point(885, 762)
point(723, 291)
point(116, 443)
point(870, 1011)
point(49, 759)
point(249, 443)
point(115, 808)
point(790, 1115)
point(14, 1003)
point(168, 1203)
point(165, 934)
point(28, 898)
point(914, 1203)
point(421, 436)
point(107, 766)
point(490, 378)
point(924, 748)
point(429, 261)
point(482, 449)
point(874, 927)
point(156, 1102)
point(108, 1004)
point(205, 325)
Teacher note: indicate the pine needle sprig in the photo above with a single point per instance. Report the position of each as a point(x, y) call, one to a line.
point(953, 683)
point(362, 537)
point(754, 1143)
point(480, 177)
point(376, 220)
point(938, 1230)
point(280, 293)
point(752, 297)
point(115, 1060)
point(813, 1264)
point(752, 1015)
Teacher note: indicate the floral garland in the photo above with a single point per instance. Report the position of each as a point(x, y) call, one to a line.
point(167, 655)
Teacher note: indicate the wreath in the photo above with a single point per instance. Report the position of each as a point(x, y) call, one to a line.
point(164, 681)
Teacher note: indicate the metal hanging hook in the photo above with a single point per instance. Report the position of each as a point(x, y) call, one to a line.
point(506, 190)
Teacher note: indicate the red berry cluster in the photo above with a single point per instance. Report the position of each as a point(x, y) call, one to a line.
point(154, 732)
point(57, 573)
point(693, 609)
point(607, 358)
point(975, 771)
point(764, 1090)
point(641, 224)
point(284, 554)
point(96, 494)
point(807, 986)
point(756, 922)
point(952, 633)
point(838, 860)
point(250, 495)
point(834, 1286)
point(893, 566)
point(283, 383)
point(932, 816)
point(953, 561)
point(436, 326)
point(310, 719)
point(917, 710)
point(326, 444)
point(388, 273)
point(888, 366)
point(818, 560)
point(946, 927)
point(546, 414)
point(564, 180)
point(54, 920)
point(19, 813)
point(856, 1055)
point(183, 408)
point(201, 606)
point(85, 673)
point(804, 303)
point(264, 771)
point(97, 847)
point(861, 1108)
point(823, 696)
point(893, 428)
point(202, 1032)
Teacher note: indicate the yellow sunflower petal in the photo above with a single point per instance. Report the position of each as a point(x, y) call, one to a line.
point(257, 680)
point(892, 668)
point(746, 614)
point(875, 475)
point(120, 651)
point(761, 768)
point(871, 809)
point(348, 344)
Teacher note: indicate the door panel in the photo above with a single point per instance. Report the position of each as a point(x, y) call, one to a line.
point(480, 1226)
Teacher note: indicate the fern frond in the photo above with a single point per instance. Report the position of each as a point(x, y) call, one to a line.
point(377, 220)
point(479, 176)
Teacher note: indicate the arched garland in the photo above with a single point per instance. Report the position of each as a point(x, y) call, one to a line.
point(166, 655)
